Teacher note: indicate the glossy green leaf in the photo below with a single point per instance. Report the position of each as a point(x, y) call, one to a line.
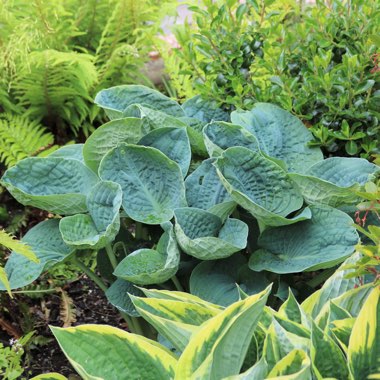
point(128, 130)
point(49, 247)
point(333, 181)
point(216, 281)
point(100, 227)
point(73, 151)
point(204, 110)
point(280, 135)
point(201, 234)
point(116, 99)
point(54, 184)
point(208, 355)
point(105, 352)
point(325, 240)
point(260, 186)
point(294, 366)
point(152, 184)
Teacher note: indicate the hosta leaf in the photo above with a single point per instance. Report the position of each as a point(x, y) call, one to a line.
point(280, 135)
point(208, 355)
point(342, 330)
point(118, 295)
point(128, 130)
point(294, 366)
point(204, 188)
point(325, 240)
point(74, 151)
point(258, 372)
point(330, 313)
point(194, 130)
point(116, 99)
point(173, 142)
point(364, 344)
point(201, 234)
point(333, 181)
point(151, 266)
point(220, 135)
point(204, 110)
point(215, 281)
point(105, 352)
point(49, 247)
point(291, 310)
point(50, 376)
point(54, 184)
point(100, 227)
point(260, 186)
point(152, 184)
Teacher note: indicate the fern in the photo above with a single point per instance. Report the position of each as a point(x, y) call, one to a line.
point(67, 310)
point(25, 137)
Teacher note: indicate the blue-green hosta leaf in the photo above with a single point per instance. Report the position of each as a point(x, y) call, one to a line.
point(204, 110)
point(294, 366)
point(118, 295)
point(325, 240)
point(208, 355)
point(364, 344)
point(173, 142)
point(280, 135)
point(215, 281)
point(152, 184)
point(128, 130)
point(260, 186)
point(105, 352)
point(204, 188)
point(100, 227)
point(194, 130)
point(74, 151)
point(151, 266)
point(116, 99)
point(219, 136)
point(201, 234)
point(46, 242)
point(53, 184)
point(333, 181)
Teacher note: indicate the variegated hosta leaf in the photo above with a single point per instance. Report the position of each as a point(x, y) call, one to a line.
point(74, 151)
point(208, 355)
point(280, 135)
point(201, 234)
point(204, 110)
point(116, 99)
point(49, 247)
point(54, 184)
point(325, 240)
point(291, 310)
point(215, 281)
point(341, 330)
point(333, 181)
point(151, 266)
point(152, 184)
point(364, 344)
point(330, 313)
point(105, 352)
point(128, 130)
point(260, 186)
point(219, 136)
point(204, 188)
point(258, 372)
point(100, 227)
point(173, 142)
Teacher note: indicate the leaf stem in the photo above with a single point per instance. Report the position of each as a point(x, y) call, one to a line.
point(133, 324)
point(111, 255)
point(177, 284)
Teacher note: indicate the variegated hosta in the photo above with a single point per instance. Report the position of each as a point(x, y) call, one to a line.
point(164, 191)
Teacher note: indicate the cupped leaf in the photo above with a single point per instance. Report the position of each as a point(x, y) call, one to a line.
point(49, 247)
point(216, 281)
point(105, 352)
point(325, 240)
point(116, 99)
point(201, 234)
point(53, 184)
point(152, 184)
point(74, 151)
point(100, 227)
point(260, 186)
point(128, 130)
point(220, 135)
point(294, 366)
point(194, 130)
point(280, 135)
point(173, 142)
point(208, 355)
point(151, 266)
point(334, 181)
point(364, 344)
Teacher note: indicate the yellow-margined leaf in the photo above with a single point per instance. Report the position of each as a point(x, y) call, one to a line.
point(294, 366)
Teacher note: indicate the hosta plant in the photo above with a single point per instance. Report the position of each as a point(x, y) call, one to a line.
point(188, 197)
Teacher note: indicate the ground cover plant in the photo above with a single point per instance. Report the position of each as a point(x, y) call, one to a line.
point(194, 199)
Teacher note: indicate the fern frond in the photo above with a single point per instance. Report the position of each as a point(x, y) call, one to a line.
point(17, 246)
point(4, 280)
point(67, 310)
point(20, 138)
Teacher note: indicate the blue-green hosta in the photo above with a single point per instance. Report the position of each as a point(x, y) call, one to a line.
point(170, 194)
